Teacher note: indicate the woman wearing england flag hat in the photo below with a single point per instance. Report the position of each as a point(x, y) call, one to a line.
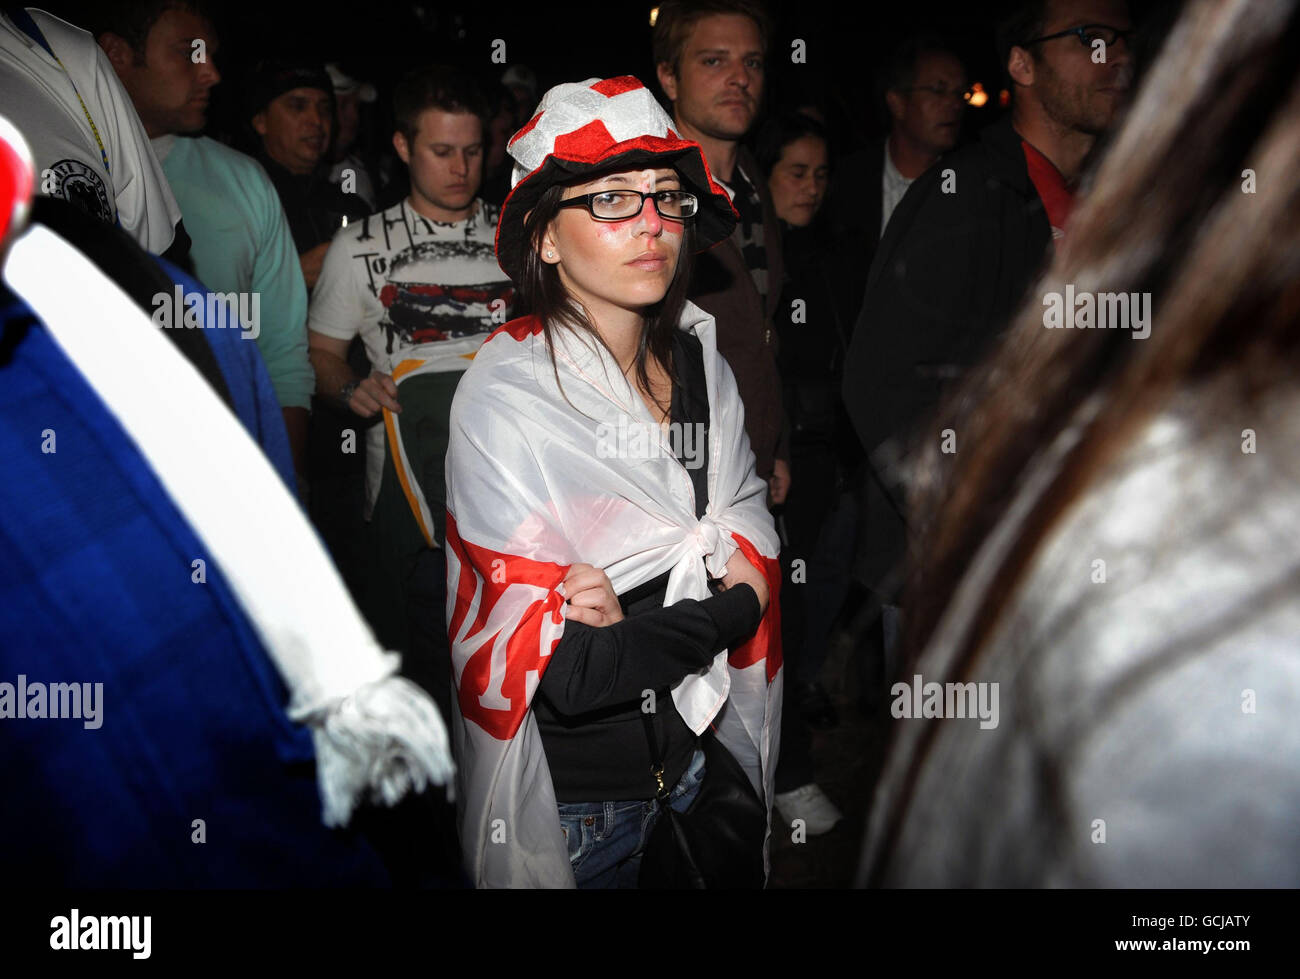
point(610, 555)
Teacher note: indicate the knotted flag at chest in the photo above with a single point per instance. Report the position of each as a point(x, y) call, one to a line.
point(528, 496)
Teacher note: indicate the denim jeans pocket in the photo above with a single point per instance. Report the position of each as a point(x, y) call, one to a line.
point(577, 824)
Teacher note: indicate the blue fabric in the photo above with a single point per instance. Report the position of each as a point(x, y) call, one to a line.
point(249, 384)
point(96, 587)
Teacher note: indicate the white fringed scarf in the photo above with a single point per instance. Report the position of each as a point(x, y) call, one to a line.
point(375, 733)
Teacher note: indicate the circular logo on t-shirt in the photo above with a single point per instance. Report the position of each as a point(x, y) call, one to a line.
point(81, 185)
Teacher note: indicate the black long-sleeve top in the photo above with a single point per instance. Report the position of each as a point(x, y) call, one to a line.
point(314, 207)
point(588, 704)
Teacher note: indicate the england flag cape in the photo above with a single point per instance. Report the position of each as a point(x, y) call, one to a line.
point(537, 483)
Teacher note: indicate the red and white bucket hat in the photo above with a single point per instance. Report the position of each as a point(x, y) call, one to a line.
point(590, 127)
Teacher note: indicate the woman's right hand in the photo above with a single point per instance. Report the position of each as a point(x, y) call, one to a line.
point(741, 572)
point(589, 597)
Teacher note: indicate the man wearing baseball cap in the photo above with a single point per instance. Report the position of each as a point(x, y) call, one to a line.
point(292, 112)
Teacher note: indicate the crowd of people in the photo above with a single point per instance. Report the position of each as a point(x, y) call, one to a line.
point(576, 424)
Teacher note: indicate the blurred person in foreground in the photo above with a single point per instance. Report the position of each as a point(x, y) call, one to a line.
point(1114, 543)
point(221, 678)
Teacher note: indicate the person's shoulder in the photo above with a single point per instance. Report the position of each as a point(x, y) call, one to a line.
point(1184, 533)
point(64, 37)
point(243, 176)
point(978, 175)
point(697, 330)
point(977, 152)
point(955, 179)
point(85, 62)
point(504, 368)
point(508, 352)
point(237, 162)
point(521, 330)
point(941, 207)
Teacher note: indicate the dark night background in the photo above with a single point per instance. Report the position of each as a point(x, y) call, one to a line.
point(845, 46)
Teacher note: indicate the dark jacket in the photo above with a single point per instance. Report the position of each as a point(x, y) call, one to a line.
point(722, 286)
point(853, 211)
point(814, 337)
point(314, 206)
point(950, 270)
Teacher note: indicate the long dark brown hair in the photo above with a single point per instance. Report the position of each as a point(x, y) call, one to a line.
point(545, 296)
point(1197, 202)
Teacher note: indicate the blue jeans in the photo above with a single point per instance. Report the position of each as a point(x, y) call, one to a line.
point(606, 839)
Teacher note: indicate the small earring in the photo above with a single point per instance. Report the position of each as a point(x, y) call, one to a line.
point(550, 254)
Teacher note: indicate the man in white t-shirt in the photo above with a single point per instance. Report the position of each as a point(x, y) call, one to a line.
point(420, 284)
point(86, 139)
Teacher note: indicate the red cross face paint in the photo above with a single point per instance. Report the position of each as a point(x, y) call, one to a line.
point(628, 264)
point(581, 128)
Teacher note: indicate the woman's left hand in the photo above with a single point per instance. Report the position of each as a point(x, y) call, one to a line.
point(591, 598)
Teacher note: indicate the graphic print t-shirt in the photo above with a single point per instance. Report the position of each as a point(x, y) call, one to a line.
point(412, 288)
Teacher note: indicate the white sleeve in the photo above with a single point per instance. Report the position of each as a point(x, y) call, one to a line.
point(145, 203)
point(337, 309)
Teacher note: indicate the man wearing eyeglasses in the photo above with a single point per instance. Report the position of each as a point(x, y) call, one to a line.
point(970, 234)
point(925, 103)
point(925, 90)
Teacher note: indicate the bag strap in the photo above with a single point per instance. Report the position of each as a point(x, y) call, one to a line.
point(656, 762)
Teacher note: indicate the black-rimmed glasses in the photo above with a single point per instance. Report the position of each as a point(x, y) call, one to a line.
point(1088, 35)
point(619, 205)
